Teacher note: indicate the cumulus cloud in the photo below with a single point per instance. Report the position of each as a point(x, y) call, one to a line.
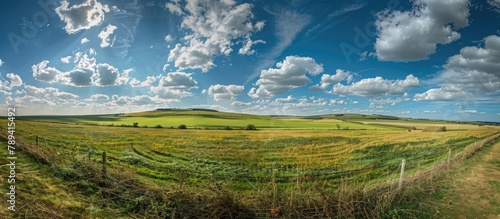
point(43, 73)
point(326, 79)
point(48, 93)
point(213, 27)
point(178, 80)
point(104, 36)
point(86, 72)
point(441, 94)
point(98, 97)
point(66, 59)
point(288, 74)
point(146, 83)
point(84, 40)
point(14, 80)
point(413, 35)
point(168, 38)
point(379, 103)
point(1, 63)
point(175, 85)
point(471, 73)
point(225, 93)
point(373, 87)
point(83, 16)
point(247, 47)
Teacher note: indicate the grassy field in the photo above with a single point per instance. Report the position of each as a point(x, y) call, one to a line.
point(219, 120)
point(284, 155)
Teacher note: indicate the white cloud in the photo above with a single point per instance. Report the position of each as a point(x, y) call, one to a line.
point(289, 74)
point(247, 47)
point(108, 75)
point(1, 63)
point(239, 103)
point(213, 27)
point(413, 35)
point(86, 72)
point(288, 24)
point(469, 111)
point(326, 79)
point(82, 16)
point(441, 94)
point(169, 93)
point(178, 80)
point(148, 82)
point(495, 5)
point(373, 87)
point(471, 73)
point(43, 73)
point(165, 67)
point(13, 81)
point(98, 97)
point(174, 8)
point(174, 86)
point(104, 36)
point(225, 93)
point(168, 38)
point(65, 59)
point(378, 103)
point(49, 93)
point(84, 40)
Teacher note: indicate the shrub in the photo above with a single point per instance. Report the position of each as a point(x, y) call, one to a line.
point(182, 126)
point(251, 127)
point(158, 126)
point(136, 124)
point(227, 128)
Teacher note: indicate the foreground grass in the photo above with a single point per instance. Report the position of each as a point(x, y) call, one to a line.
point(471, 190)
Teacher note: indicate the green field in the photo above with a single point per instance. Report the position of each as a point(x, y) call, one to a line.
point(218, 120)
point(283, 156)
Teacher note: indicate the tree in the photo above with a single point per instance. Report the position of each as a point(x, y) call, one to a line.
point(338, 126)
point(251, 127)
point(136, 124)
point(182, 126)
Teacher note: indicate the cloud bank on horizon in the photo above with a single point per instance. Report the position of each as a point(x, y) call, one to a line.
point(422, 59)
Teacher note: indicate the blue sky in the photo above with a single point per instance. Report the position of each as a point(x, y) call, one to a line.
point(420, 59)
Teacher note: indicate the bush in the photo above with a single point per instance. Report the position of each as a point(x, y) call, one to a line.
point(182, 126)
point(227, 128)
point(158, 126)
point(251, 127)
point(136, 124)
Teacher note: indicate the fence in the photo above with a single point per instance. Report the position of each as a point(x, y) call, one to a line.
point(397, 175)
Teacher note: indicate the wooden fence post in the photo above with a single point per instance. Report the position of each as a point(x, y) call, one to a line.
point(181, 174)
point(36, 138)
point(401, 175)
point(104, 164)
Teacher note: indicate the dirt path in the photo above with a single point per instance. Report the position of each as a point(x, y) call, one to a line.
point(476, 191)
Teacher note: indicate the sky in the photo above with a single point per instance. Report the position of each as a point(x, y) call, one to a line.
point(418, 59)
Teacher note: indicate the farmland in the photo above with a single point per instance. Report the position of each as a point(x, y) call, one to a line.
point(289, 152)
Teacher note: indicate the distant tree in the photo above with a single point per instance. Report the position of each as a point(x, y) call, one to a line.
point(182, 126)
point(136, 124)
point(251, 127)
point(338, 126)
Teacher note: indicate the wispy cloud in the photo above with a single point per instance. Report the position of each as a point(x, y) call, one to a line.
point(288, 24)
point(333, 19)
